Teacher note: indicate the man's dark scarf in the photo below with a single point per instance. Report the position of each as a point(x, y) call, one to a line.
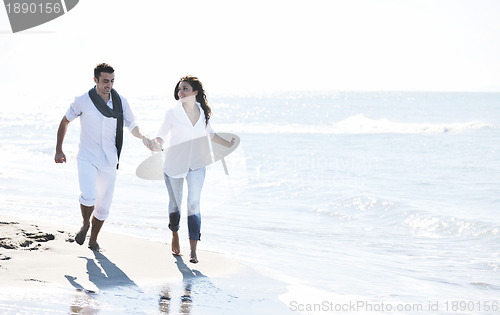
point(116, 112)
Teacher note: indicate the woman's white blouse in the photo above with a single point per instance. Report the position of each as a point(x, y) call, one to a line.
point(186, 146)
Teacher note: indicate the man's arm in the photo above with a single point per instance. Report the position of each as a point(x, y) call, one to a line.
point(137, 132)
point(61, 133)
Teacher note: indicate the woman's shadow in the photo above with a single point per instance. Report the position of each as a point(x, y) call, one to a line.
point(189, 277)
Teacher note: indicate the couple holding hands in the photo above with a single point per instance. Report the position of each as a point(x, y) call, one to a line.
point(103, 113)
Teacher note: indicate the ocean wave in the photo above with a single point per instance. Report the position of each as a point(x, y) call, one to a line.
point(357, 124)
point(441, 226)
point(362, 124)
point(372, 212)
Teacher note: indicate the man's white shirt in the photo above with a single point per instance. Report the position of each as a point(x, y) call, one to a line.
point(98, 133)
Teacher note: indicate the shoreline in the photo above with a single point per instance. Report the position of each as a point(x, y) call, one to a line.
point(44, 270)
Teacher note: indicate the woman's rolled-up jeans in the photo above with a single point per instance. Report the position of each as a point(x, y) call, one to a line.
point(195, 179)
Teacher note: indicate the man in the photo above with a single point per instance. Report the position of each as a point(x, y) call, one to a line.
point(103, 113)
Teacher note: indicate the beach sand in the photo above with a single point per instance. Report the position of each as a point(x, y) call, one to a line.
point(42, 270)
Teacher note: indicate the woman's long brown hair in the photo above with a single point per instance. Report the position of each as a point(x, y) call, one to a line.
point(201, 97)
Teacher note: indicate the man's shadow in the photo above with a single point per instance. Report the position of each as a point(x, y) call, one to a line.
point(107, 276)
point(189, 277)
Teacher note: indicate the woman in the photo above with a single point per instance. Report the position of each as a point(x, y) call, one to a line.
point(185, 129)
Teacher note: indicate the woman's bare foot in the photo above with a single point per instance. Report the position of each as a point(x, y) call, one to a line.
point(176, 248)
point(194, 258)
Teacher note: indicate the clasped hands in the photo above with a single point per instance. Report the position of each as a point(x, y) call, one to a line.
point(152, 144)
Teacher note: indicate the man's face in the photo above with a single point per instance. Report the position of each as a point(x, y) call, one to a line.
point(105, 82)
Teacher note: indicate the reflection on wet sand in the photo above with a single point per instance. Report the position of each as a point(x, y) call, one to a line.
point(116, 290)
point(84, 304)
point(186, 301)
point(189, 277)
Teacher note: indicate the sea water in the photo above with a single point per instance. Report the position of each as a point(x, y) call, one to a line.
point(381, 200)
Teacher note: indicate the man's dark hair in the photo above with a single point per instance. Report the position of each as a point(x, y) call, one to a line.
point(102, 67)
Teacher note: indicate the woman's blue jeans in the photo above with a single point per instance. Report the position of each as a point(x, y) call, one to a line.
point(194, 179)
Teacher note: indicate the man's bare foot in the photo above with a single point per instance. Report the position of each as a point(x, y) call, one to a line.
point(176, 248)
point(82, 234)
point(95, 247)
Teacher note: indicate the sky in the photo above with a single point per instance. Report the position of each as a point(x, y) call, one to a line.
point(255, 47)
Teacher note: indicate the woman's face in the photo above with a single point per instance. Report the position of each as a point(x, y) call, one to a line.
point(185, 90)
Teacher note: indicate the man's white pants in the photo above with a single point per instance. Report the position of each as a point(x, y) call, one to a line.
point(97, 185)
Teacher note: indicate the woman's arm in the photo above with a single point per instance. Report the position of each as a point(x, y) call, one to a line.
point(218, 139)
point(165, 129)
